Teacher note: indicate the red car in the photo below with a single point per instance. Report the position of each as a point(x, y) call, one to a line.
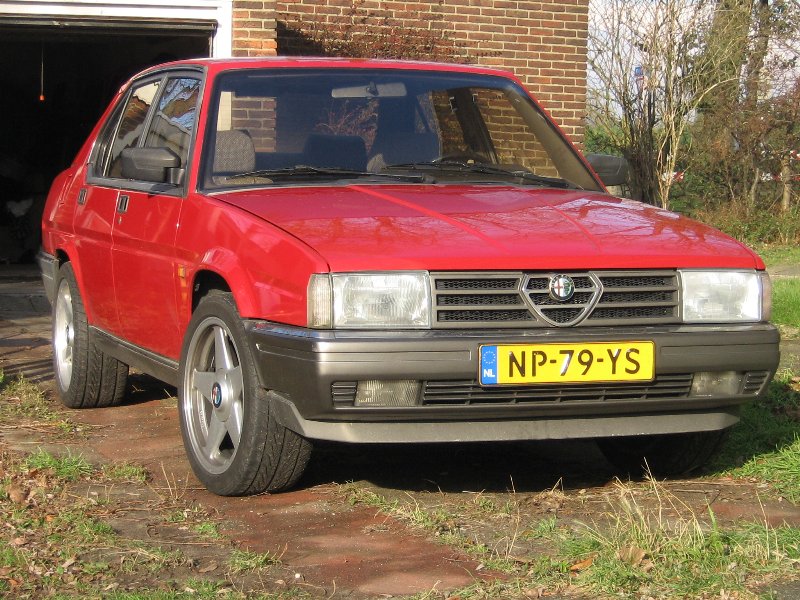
point(386, 252)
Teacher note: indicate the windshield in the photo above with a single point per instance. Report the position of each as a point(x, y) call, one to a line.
point(301, 125)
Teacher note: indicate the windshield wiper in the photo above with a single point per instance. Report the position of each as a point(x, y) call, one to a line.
point(306, 170)
point(484, 168)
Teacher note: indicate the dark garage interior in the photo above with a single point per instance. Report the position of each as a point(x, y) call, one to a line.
point(56, 82)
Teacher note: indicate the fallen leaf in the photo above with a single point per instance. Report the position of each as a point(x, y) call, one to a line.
point(17, 494)
point(17, 542)
point(631, 555)
point(582, 565)
point(68, 563)
point(212, 566)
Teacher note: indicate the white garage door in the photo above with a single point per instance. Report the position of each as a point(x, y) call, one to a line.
point(214, 16)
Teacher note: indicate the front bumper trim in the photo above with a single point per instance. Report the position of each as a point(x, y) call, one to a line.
point(402, 432)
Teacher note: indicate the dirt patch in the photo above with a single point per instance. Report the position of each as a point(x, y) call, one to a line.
point(98, 533)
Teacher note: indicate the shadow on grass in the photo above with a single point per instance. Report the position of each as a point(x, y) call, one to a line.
point(456, 467)
point(144, 388)
point(766, 442)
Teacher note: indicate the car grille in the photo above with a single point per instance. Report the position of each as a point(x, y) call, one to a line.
point(448, 393)
point(468, 392)
point(754, 381)
point(601, 298)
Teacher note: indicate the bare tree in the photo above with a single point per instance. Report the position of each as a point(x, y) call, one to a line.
point(750, 122)
point(649, 73)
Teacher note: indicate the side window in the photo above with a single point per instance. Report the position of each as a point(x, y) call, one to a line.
point(174, 120)
point(100, 153)
point(131, 126)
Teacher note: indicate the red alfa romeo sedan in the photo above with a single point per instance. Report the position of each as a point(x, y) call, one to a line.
point(386, 252)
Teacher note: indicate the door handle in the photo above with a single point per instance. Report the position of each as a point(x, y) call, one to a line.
point(122, 204)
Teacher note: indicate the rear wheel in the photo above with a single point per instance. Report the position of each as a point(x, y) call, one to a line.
point(232, 439)
point(85, 376)
point(662, 455)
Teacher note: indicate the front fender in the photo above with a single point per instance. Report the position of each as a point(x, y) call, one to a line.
point(266, 269)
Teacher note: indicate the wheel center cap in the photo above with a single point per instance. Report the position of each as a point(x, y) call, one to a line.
point(216, 395)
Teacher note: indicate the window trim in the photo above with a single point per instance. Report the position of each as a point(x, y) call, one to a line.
point(569, 151)
point(115, 120)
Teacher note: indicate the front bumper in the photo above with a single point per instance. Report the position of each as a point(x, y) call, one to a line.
point(303, 368)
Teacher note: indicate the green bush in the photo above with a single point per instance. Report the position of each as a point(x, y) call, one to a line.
point(753, 225)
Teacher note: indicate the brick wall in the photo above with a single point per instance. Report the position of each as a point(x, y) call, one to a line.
point(254, 28)
point(543, 42)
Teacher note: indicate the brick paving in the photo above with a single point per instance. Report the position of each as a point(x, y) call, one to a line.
point(331, 544)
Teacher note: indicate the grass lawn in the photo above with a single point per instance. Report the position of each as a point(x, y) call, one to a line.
point(779, 255)
point(786, 301)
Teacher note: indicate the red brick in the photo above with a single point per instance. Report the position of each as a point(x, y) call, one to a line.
point(539, 40)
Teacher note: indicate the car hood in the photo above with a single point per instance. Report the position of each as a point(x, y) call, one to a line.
point(466, 227)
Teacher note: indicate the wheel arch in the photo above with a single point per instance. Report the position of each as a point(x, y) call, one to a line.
point(62, 257)
point(65, 256)
point(220, 269)
point(206, 280)
point(261, 290)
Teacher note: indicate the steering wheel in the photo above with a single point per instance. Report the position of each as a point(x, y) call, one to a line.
point(464, 157)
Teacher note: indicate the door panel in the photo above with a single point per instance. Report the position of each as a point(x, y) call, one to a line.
point(145, 271)
point(146, 225)
point(93, 223)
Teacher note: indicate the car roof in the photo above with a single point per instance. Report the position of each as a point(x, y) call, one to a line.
point(215, 65)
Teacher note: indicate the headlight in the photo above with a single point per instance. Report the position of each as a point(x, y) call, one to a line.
point(369, 300)
point(725, 296)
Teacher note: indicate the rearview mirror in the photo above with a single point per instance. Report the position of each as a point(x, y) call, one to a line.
point(158, 165)
point(371, 90)
point(612, 170)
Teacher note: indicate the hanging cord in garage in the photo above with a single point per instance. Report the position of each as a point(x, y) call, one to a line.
point(41, 77)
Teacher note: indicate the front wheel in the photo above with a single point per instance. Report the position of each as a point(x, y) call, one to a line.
point(232, 439)
point(662, 455)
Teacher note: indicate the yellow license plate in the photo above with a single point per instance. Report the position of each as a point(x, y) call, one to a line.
point(592, 362)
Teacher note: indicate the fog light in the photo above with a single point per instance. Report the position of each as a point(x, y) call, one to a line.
point(387, 393)
point(721, 383)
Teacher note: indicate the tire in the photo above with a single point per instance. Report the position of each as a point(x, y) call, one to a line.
point(85, 376)
point(234, 443)
point(662, 455)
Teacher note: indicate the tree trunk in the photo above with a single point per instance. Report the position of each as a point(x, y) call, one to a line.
point(726, 52)
point(752, 195)
point(758, 54)
point(786, 179)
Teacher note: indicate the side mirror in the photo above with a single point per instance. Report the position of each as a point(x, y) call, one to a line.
point(159, 165)
point(612, 170)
